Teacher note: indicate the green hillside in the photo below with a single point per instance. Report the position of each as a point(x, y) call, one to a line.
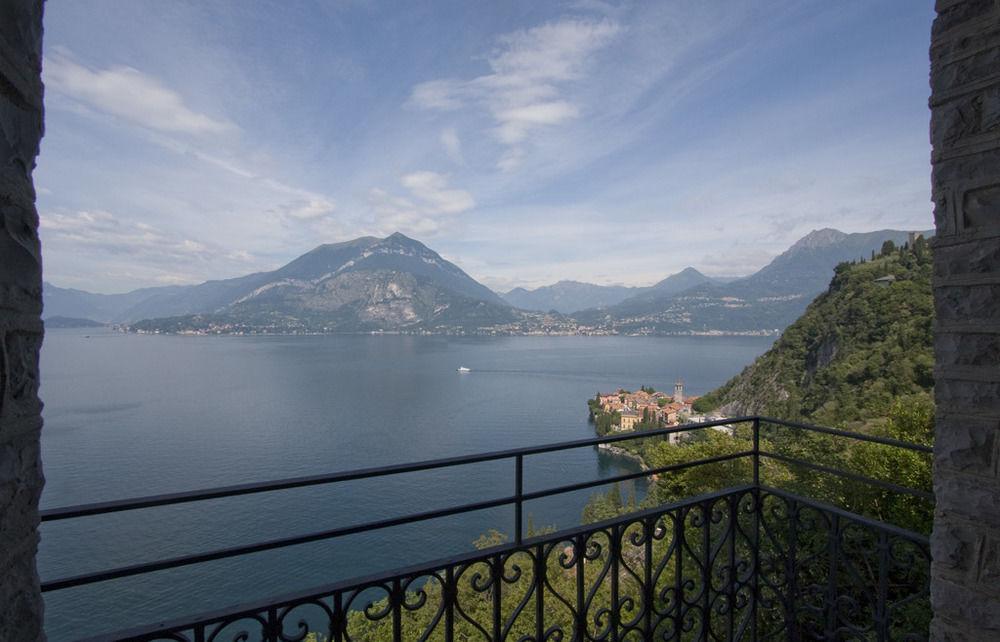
point(860, 347)
point(859, 358)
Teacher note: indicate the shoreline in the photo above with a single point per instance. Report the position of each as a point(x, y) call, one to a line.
point(626, 454)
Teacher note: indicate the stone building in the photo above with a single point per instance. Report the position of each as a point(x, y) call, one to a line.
point(965, 132)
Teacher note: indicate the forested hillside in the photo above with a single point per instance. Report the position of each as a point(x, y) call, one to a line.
point(860, 358)
point(859, 347)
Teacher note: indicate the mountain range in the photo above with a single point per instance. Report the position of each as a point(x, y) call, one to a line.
point(364, 284)
point(861, 346)
point(568, 297)
point(399, 284)
point(769, 299)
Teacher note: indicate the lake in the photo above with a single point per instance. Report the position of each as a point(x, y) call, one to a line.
point(129, 415)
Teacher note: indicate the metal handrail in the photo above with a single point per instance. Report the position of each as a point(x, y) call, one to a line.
point(517, 499)
point(102, 508)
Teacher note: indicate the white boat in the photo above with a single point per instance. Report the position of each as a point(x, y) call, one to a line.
point(464, 369)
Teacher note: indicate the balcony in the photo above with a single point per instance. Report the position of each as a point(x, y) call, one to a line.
point(751, 561)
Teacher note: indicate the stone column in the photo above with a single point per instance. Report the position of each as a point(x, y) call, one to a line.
point(20, 319)
point(965, 133)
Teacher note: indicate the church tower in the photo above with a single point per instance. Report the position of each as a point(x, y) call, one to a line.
point(679, 391)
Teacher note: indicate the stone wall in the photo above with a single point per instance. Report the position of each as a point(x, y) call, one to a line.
point(20, 318)
point(965, 133)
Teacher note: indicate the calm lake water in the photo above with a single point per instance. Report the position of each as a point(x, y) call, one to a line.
point(129, 415)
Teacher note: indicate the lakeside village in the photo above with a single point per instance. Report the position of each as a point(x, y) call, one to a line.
point(646, 409)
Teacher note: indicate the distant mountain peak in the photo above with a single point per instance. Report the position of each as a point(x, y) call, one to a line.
point(819, 238)
point(399, 236)
point(683, 280)
point(690, 271)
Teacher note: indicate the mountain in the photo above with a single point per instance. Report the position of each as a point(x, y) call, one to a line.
point(568, 296)
point(107, 308)
point(683, 280)
point(365, 284)
point(397, 283)
point(766, 301)
point(71, 322)
point(859, 347)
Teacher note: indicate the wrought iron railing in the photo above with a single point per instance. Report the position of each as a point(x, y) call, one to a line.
point(748, 562)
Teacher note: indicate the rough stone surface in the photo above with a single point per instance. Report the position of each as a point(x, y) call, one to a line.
point(965, 133)
point(21, 480)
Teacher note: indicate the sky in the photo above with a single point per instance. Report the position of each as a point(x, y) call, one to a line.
point(528, 142)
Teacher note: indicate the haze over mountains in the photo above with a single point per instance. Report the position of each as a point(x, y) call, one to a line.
point(769, 299)
point(364, 284)
point(399, 284)
point(568, 297)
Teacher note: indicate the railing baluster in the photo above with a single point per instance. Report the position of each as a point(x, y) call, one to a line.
point(733, 504)
point(755, 557)
point(756, 451)
point(498, 566)
point(449, 593)
point(791, 570)
point(706, 570)
point(273, 631)
point(681, 535)
point(833, 550)
point(541, 569)
point(581, 618)
point(615, 551)
point(396, 600)
point(882, 599)
point(518, 498)
point(648, 593)
point(339, 624)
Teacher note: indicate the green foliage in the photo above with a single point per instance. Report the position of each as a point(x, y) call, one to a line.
point(857, 348)
point(606, 422)
point(859, 358)
point(708, 402)
point(491, 538)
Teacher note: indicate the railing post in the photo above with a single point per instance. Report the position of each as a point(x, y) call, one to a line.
point(518, 495)
point(756, 452)
point(757, 507)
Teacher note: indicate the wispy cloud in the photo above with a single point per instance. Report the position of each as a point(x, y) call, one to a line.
point(430, 199)
point(523, 93)
point(308, 209)
point(452, 144)
point(128, 93)
point(711, 134)
point(432, 190)
point(102, 231)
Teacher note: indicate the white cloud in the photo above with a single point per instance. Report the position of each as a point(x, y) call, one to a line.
point(517, 122)
point(530, 68)
point(430, 200)
point(452, 144)
point(398, 214)
point(128, 253)
point(102, 232)
point(432, 189)
point(307, 209)
point(128, 93)
point(439, 94)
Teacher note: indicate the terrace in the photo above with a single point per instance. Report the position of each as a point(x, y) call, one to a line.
point(746, 562)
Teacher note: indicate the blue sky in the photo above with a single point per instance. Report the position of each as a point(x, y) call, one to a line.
point(528, 142)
